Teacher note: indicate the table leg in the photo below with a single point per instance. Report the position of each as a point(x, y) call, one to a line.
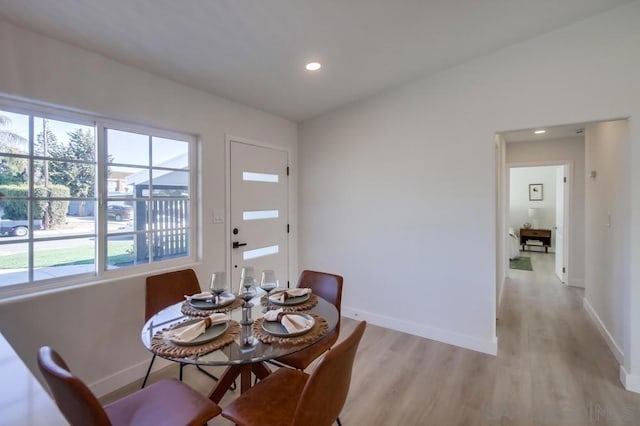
point(225, 382)
point(245, 378)
point(260, 369)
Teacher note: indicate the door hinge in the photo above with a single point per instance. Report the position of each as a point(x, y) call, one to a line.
point(287, 228)
point(564, 270)
point(565, 179)
point(287, 170)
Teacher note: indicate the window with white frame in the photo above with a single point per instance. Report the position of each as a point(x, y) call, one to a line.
point(84, 196)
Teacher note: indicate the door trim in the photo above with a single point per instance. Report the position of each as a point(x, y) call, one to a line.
point(227, 188)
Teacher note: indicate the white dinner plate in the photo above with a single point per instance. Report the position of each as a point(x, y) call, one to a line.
point(276, 329)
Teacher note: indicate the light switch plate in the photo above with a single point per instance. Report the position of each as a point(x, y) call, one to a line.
point(218, 216)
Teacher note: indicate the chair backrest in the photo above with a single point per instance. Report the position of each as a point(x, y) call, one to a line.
point(328, 286)
point(326, 390)
point(166, 289)
point(74, 399)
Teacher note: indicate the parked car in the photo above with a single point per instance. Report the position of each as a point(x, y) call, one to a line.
point(17, 228)
point(119, 212)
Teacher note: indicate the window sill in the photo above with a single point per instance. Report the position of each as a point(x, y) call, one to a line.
point(22, 292)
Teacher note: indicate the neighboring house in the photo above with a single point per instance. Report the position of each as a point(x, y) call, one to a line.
point(117, 181)
point(175, 212)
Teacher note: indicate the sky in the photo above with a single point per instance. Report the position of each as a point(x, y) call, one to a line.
point(123, 147)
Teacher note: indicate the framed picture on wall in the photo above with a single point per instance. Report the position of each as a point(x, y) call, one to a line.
point(535, 192)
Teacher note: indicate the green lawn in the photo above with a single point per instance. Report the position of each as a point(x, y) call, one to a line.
point(83, 255)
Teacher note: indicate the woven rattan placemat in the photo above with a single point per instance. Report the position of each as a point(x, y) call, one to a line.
point(163, 347)
point(320, 328)
point(304, 306)
point(190, 311)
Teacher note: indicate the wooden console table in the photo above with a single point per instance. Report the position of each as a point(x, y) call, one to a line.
point(542, 235)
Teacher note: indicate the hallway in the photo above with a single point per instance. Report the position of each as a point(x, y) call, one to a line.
point(555, 368)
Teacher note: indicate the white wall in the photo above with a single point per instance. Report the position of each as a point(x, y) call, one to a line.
point(398, 192)
point(97, 328)
point(562, 150)
point(519, 204)
point(607, 230)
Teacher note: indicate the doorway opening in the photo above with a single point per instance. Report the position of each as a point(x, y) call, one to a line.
point(597, 202)
point(558, 208)
point(538, 214)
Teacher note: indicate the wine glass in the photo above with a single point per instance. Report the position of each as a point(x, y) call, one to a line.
point(245, 272)
point(248, 289)
point(247, 292)
point(268, 283)
point(218, 285)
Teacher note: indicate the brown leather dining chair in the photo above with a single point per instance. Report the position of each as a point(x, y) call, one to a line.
point(329, 287)
point(291, 397)
point(167, 402)
point(163, 290)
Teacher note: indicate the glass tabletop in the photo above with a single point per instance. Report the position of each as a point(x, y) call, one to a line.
point(236, 353)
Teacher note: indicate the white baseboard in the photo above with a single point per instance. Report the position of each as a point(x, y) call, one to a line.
point(124, 377)
point(462, 340)
point(613, 346)
point(631, 382)
point(578, 282)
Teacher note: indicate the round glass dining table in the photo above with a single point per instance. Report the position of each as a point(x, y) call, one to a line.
point(246, 354)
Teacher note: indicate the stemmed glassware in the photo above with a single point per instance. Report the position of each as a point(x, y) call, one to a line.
point(247, 292)
point(268, 283)
point(218, 285)
point(245, 272)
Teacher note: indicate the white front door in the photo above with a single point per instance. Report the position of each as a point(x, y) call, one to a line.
point(559, 230)
point(259, 211)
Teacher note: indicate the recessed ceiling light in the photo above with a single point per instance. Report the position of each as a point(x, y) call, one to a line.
point(313, 66)
point(539, 132)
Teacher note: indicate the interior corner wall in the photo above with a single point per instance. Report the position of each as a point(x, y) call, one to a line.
point(97, 328)
point(607, 230)
point(502, 258)
point(562, 150)
point(398, 191)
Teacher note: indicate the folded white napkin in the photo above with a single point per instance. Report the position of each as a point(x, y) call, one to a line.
point(288, 294)
point(272, 315)
point(187, 334)
point(292, 322)
point(206, 295)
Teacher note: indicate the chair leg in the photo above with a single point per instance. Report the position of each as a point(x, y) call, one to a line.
point(144, 382)
point(206, 372)
point(181, 367)
point(338, 421)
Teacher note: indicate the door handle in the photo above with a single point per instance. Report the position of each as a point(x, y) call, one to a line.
point(237, 244)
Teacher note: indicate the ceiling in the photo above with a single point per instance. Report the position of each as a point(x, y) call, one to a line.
point(254, 51)
point(554, 132)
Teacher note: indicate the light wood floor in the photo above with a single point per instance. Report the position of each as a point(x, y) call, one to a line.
point(553, 368)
